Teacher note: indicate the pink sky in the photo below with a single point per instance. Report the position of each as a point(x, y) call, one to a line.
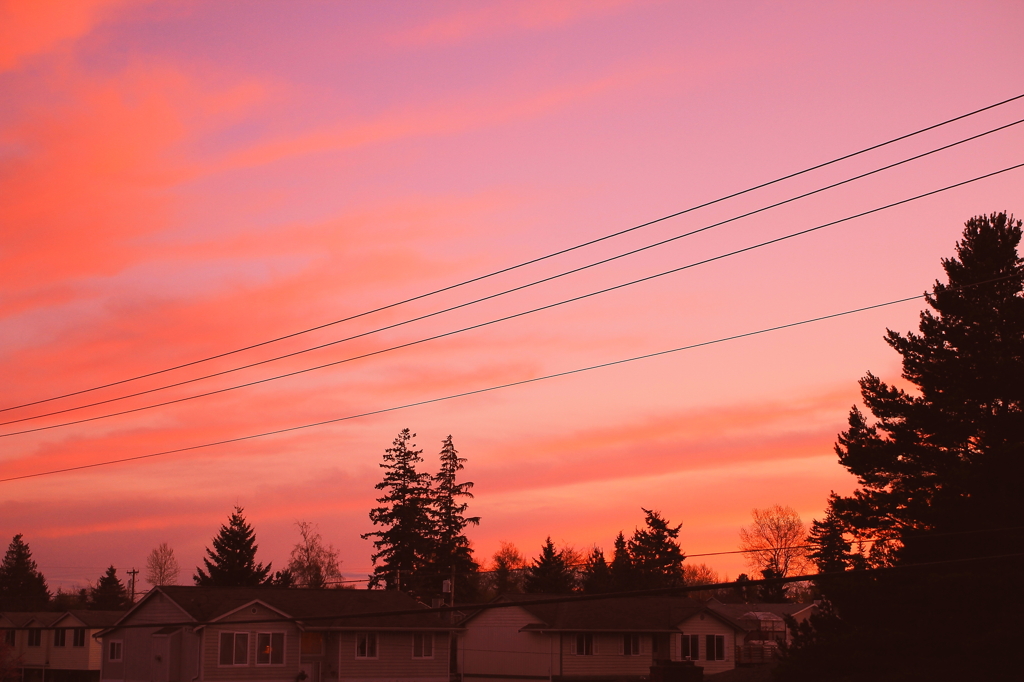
point(180, 179)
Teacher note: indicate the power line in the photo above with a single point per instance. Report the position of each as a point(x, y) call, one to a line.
point(509, 317)
point(524, 263)
point(475, 301)
point(810, 545)
point(658, 592)
point(456, 395)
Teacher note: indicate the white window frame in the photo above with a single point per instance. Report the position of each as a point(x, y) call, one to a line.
point(35, 635)
point(60, 637)
point(424, 638)
point(284, 649)
point(78, 637)
point(587, 639)
point(235, 634)
point(367, 638)
point(115, 645)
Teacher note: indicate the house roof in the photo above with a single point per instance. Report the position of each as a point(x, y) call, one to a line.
point(618, 614)
point(95, 619)
point(313, 608)
point(39, 619)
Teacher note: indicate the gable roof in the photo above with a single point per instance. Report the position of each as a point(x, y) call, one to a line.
point(314, 609)
point(93, 619)
point(616, 614)
point(38, 619)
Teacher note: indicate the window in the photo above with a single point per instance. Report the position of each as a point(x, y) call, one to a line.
point(35, 637)
point(690, 647)
point(9, 636)
point(78, 637)
point(423, 645)
point(631, 645)
point(60, 637)
point(270, 648)
point(366, 645)
point(114, 651)
point(234, 648)
point(583, 645)
point(715, 648)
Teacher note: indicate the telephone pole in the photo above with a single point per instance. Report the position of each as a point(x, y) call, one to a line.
point(134, 572)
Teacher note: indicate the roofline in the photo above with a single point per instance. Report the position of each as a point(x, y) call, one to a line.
point(719, 617)
point(149, 595)
point(613, 630)
point(385, 629)
point(254, 601)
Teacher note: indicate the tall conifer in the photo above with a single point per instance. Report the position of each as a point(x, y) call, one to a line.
point(657, 558)
point(109, 593)
point(22, 586)
point(405, 547)
point(452, 551)
point(550, 573)
point(232, 561)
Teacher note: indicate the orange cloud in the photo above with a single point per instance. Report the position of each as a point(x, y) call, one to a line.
point(33, 27)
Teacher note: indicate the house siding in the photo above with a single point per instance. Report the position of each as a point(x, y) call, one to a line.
point(710, 625)
point(394, 659)
point(493, 644)
point(213, 671)
point(138, 653)
point(70, 657)
point(607, 659)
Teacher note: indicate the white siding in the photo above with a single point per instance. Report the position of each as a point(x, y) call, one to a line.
point(706, 624)
point(492, 644)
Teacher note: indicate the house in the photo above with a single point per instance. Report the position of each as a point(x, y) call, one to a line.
point(229, 634)
point(620, 637)
point(55, 646)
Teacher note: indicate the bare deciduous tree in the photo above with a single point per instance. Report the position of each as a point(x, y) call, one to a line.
point(509, 570)
point(774, 541)
point(312, 563)
point(700, 574)
point(161, 566)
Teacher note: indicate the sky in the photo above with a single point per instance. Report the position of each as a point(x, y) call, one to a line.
point(182, 179)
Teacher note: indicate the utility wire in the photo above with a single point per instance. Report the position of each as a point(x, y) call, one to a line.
point(561, 599)
point(484, 298)
point(524, 263)
point(810, 545)
point(466, 393)
point(509, 317)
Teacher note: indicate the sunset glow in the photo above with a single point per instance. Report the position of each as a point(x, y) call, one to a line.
point(181, 179)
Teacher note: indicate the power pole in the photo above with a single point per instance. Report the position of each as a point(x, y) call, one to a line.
point(134, 572)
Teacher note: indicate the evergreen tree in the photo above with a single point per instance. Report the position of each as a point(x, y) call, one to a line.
point(452, 551)
point(623, 574)
point(232, 561)
point(940, 467)
point(831, 551)
point(656, 556)
point(772, 593)
point(406, 545)
point(109, 593)
point(550, 573)
point(22, 586)
point(597, 575)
